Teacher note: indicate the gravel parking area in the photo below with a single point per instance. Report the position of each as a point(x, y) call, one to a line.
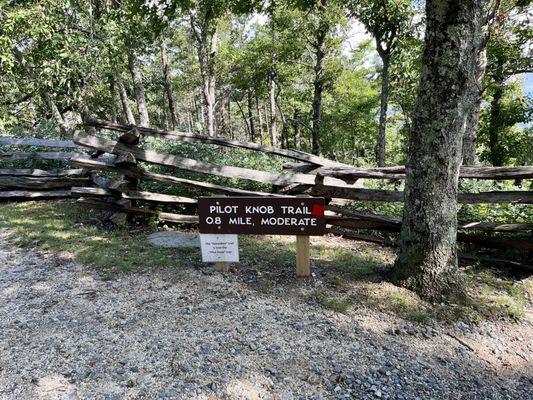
point(190, 333)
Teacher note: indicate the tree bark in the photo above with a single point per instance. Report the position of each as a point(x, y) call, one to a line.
point(261, 124)
point(381, 142)
point(168, 84)
point(496, 154)
point(297, 130)
point(318, 85)
point(124, 100)
point(251, 124)
point(475, 88)
point(245, 120)
point(427, 262)
point(272, 98)
point(472, 121)
point(206, 45)
point(112, 94)
point(139, 88)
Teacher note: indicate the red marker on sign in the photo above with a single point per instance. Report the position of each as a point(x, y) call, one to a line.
point(317, 210)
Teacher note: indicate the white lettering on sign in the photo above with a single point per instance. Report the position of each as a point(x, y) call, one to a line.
point(219, 248)
point(295, 210)
point(289, 221)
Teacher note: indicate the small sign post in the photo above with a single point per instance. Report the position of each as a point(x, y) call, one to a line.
point(228, 216)
point(220, 249)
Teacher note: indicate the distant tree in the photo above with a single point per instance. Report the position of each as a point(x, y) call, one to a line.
point(387, 21)
point(509, 54)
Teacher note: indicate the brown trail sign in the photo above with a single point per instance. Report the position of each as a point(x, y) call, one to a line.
point(262, 215)
point(300, 216)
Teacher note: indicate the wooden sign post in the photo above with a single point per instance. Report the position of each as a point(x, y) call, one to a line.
point(298, 216)
point(303, 267)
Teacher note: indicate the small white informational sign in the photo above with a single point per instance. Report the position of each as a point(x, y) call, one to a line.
point(219, 248)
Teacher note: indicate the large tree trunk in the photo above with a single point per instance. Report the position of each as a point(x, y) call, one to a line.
point(272, 98)
point(381, 142)
point(427, 262)
point(124, 100)
point(139, 88)
point(318, 86)
point(168, 84)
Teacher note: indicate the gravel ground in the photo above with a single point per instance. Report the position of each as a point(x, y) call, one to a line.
point(65, 333)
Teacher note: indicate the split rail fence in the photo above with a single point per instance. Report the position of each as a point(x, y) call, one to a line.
point(306, 174)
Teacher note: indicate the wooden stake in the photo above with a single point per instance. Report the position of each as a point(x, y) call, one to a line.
point(222, 266)
point(303, 268)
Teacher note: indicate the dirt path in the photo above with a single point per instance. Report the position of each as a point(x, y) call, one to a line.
point(65, 333)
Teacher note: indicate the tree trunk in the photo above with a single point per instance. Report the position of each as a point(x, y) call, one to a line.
point(245, 120)
point(112, 94)
point(230, 122)
point(470, 138)
point(125, 101)
point(251, 123)
point(318, 86)
point(223, 123)
point(206, 46)
point(476, 93)
point(297, 130)
point(284, 127)
point(58, 118)
point(267, 125)
point(381, 142)
point(427, 262)
point(496, 153)
point(168, 84)
point(261, 124)
point(472, 121)
point(139, 88)
point(272, 97)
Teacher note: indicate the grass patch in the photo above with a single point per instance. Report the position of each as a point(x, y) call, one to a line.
point(338, 305)
point(65, 226)
point(420, 317)
point(493, 295)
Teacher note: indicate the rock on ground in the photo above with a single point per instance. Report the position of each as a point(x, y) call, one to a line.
point(174, 239)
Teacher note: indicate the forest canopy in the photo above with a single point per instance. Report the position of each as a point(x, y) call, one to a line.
point(333, 78)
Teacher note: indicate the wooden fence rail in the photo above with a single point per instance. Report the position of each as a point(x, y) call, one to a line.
point(20, 184)
point(188, 164)
point(398, 172)
point(191, 138)
point(20, 142)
